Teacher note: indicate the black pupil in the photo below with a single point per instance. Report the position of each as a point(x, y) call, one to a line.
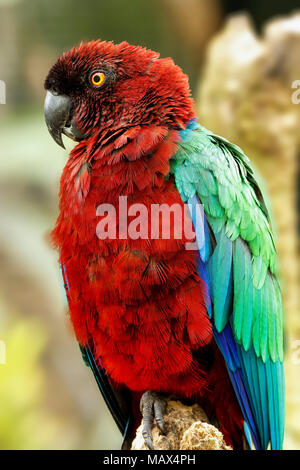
point(96, 78)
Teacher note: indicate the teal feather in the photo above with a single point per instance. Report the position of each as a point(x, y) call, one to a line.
point(236, 206)
point(266, 395)
point(257, 311)
point(224, 197)
point(263, 328)
point(259, 406)
point(209, 181)
point(245, 293)
point(248, 319)
point(272, 304)
point(202, 189)
point(232, 230)
point(216, 224)
point(221, 265)
point(240, 282)
point(259, 272)
point(263, 394)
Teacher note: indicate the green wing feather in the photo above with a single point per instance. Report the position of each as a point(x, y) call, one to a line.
point(241, 272)
point(220, 174)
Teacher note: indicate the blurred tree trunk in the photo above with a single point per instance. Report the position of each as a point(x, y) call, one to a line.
point(246, 96)
point(193, 22)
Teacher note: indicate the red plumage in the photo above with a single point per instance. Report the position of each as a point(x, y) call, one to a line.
point(142, 301)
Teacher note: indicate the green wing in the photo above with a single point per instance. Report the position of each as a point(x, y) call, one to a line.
point(245, 294)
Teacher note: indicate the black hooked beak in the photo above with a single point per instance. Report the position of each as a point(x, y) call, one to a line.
point(59, 111)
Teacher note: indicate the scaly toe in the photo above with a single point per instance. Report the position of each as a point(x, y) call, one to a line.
point(152, 406)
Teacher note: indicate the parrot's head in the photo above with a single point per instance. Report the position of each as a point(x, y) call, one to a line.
point(100, 85)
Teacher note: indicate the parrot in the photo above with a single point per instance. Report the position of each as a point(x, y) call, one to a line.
point(153, 318)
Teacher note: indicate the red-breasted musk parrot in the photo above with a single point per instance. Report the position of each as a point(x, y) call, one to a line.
point(154, 319)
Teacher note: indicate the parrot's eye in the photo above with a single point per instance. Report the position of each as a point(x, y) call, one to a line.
point(97, 79)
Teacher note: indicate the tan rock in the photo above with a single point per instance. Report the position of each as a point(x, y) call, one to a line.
point(203, 436)
point(187, 428)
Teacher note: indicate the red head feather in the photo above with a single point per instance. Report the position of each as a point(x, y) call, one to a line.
point(139, 87)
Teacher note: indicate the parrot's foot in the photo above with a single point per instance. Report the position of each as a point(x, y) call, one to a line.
point(152, 405)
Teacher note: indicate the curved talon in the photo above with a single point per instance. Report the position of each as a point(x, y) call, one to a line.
point(152, 405)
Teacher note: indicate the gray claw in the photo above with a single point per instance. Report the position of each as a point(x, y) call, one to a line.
point(159, 410)
point(152, 406)
point(149, 442)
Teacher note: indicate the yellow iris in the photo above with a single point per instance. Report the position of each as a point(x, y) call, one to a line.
point(97, 79)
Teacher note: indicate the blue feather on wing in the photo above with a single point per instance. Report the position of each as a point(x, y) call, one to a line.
point(257, 379)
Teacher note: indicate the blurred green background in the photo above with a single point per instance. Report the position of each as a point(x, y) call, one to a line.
point(48, 397)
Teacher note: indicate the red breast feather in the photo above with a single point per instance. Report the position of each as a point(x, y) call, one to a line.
point(142, 301)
